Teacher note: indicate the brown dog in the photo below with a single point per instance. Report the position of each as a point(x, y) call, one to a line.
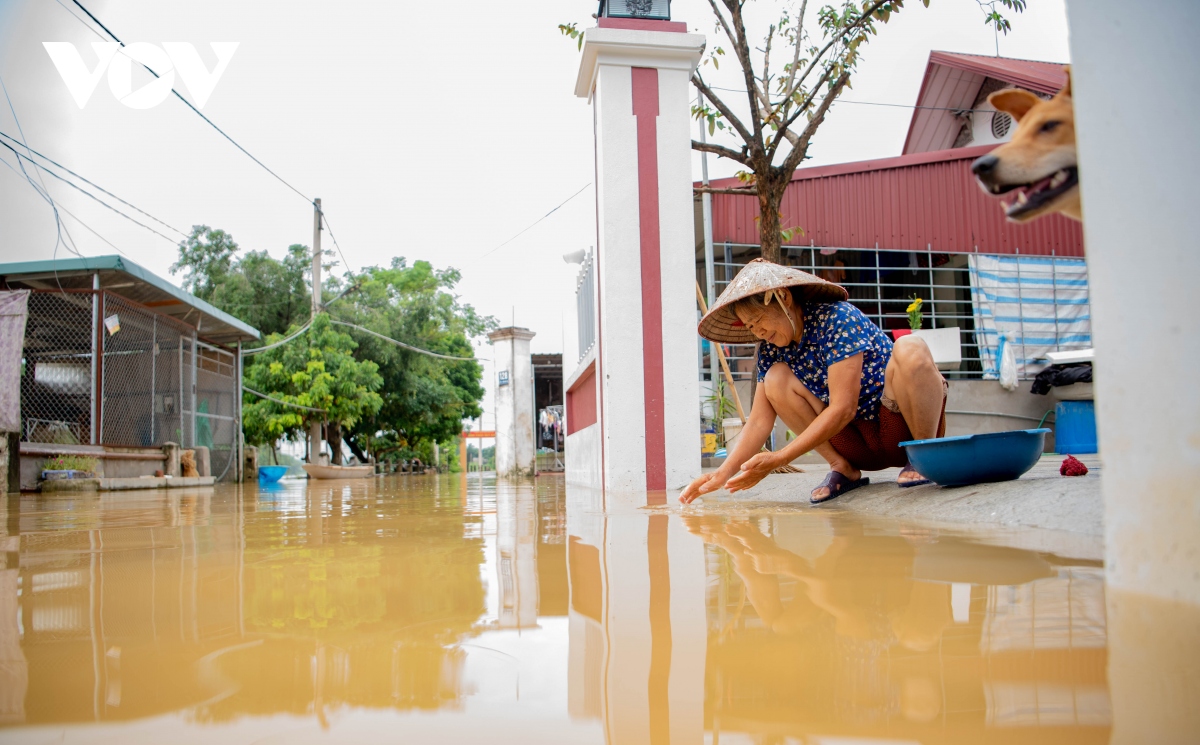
point(1039, 163)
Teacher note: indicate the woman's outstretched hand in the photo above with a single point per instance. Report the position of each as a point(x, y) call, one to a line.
point(753, 471)
point(705, 484)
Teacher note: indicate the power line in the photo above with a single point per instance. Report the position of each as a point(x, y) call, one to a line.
point(194, 109)
point(876, 103)
point(328, 227)
point(535, 222)
point(94, 184)
point(35, 164)
point(406, 346)
point(43, 192)
point(285, 403)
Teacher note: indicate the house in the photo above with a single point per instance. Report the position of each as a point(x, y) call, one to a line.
point(118, 362)
point(919, 225)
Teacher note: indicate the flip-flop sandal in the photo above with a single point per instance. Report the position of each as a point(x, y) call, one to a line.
point(837, 484)
point(908, 468)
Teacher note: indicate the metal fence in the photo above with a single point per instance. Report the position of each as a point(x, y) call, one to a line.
point(881, 283)
point(153, 381)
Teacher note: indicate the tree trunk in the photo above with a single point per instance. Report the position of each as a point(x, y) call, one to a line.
point(333, 433)
point(354, 448)
point(770, 195)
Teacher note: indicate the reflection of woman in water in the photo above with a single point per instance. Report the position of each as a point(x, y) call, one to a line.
point(864, 585)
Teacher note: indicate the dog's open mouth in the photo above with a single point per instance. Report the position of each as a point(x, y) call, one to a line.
point(1032, 197)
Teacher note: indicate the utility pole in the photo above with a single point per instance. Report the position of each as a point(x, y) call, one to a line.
point(316, 447)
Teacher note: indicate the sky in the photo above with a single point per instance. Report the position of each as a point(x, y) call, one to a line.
point(433, 131)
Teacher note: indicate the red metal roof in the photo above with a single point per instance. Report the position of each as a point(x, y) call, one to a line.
point(1043, 77)
point(953, 81)
point(909, 203)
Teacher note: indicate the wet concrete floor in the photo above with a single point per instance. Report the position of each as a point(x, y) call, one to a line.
point(444, 610)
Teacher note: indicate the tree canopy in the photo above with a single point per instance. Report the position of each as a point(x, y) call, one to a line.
point(380, 398)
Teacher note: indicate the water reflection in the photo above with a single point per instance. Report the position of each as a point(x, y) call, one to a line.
point(442, 608)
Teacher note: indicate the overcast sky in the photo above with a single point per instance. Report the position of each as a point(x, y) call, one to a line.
point(433, 131)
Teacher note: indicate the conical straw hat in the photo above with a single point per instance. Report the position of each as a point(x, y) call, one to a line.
point(721, 324)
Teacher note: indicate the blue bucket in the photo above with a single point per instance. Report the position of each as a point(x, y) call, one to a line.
point(977, 459)
point(271, 474)
point(1075, 427)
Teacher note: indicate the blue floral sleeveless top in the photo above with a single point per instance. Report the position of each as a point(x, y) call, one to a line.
point(834, 332)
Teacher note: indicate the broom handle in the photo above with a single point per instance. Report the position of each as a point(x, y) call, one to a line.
point(737, 400)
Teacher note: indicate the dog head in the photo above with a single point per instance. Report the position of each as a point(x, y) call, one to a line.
point(1039, 163)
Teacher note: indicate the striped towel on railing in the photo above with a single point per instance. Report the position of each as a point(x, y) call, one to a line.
point(1040, 303)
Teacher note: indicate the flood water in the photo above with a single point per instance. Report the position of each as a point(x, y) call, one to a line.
point(446, 610)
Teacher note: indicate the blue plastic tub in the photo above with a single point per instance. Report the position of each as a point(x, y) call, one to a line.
point(271, 474)
point(1075, 427)
point(977, 459)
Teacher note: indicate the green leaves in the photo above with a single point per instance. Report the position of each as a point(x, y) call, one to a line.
point(572, 31)
point(317, 370)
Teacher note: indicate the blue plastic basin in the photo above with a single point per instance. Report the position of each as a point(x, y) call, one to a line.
point(271, 474)
point(977, 459)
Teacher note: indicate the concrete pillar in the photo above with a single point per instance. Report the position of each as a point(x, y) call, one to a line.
point(203, 460)
point(635, 74)
point(171, 466)
point(515, 454)
point(11, 460)
point(1135, 114)
point(249, 463)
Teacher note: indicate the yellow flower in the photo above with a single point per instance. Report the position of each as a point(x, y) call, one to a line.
point(915, 306)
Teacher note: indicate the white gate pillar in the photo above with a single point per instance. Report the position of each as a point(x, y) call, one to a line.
point(514, 401)
point(636, 73)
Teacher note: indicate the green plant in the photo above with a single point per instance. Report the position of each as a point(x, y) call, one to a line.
point(721, 406)
point(914, 313)
point(70, 463)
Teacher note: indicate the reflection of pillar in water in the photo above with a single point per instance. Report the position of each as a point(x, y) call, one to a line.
point(14, 670)
point(516, 554)
point(637, 627)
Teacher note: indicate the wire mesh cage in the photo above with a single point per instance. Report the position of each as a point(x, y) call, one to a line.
point(154, 381)
point(57, 376)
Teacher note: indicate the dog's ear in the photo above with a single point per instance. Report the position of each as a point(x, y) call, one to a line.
point(1066, 91)
point(1014, 101)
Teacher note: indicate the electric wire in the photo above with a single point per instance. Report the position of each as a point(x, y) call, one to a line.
point(406, 346)
point(876, 103)
point(328, 227)
point(194, 109)
point(280, 343)
point(535, 222)
point(43, 192)
point(73, 185)
point(98, 186)
point(253, 392)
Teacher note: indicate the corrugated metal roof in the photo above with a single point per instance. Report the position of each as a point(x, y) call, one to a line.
point(146, 288)
point(1044, 77)
point(909, 203)
point(953, 81)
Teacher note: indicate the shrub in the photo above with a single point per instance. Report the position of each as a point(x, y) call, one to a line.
point(70, 463)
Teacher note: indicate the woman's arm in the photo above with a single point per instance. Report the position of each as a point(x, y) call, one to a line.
point(754, 435)
point(845, 384)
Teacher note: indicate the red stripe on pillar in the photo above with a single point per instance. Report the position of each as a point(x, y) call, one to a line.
point(645, 108)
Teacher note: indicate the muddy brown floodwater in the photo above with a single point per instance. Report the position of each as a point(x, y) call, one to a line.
point(440, 610)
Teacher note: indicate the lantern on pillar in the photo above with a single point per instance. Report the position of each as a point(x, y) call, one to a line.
point(645, 10)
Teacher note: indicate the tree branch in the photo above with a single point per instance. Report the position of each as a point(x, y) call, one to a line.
point(724, 152)
point(797, 155)
point(749, 191)
point(742, 48)
point(864, 18)
point(721, 107)
point(789, 89)
point(794, 139)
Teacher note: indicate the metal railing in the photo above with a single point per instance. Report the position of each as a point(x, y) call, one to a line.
point(585, 304)
point(100, 369)
point(881, 283)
